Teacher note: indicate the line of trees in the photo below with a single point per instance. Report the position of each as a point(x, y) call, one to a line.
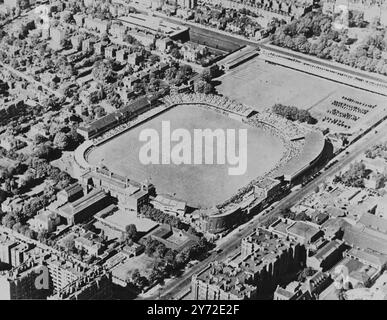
point(293, 113)
point(332, 44)
point(161, 217)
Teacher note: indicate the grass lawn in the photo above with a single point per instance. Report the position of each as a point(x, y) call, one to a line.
point(200, 185)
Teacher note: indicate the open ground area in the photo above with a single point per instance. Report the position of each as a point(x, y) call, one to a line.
point(199, 185)
point(261, 85)
point(121, 219)
point(141, 262)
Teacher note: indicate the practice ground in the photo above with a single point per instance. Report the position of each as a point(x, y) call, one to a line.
point(261, 85)
point(199, 185)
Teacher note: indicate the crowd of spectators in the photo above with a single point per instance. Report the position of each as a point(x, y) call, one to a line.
point(216, 101)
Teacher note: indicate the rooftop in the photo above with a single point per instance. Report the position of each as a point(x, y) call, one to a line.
point(70, 209)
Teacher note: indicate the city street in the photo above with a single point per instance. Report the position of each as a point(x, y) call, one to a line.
point(182, 285)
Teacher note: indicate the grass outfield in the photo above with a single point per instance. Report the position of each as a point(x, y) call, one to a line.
point(199, 185)
point(261, 85)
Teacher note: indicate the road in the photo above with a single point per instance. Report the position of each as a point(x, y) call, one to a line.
point(182, 284)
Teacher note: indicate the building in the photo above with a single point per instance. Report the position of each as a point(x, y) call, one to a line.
point(88, 45)
point(172, 238)
point(187, 4)
point(79, 19)
point(11, 3)
point(163, 44)
point(215, 221)
point(375, 181)
point(265, 259)
point(267, 189)
point(70, 193)
point(89, 243)
point(6, 244)
point(92, 93)
point(303, 231)
point(58, 36)
point(370, 9)
point(327, 256)
point(378, 291)
point(131, 195)
point(169, 205)
point(309, 290)
point(62, 272)
point(85, 207)
point(110, 52)
point(46, 221)
point(96, 285)
point(374, 222)
point(21, 283)
point(118, 31)
point(101, 26)
point(134, 59)
point(192, 52)
point(110, 121)
point(154, 25)
point(99, 48)
point(12, 204)
point(76, 42)
point(122, 55)
point(19, 254)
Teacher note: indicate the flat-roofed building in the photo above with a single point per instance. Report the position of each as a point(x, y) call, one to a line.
point(90, 243)
point(327, 256)
point(62, 273)
point(20, 283)
point(110, 121)
point(6, 244)
point(95, 285)
point(85, 207)
point(173, 238)
point(255, 272)
point(308, 290)
point(130, 194)
point(70, 193)
point(303, 231)
point(170, 205)
point(18, 253)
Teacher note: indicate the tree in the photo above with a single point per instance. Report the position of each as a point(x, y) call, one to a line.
point(154, 59)
point(203, 87)
point(206, 75)
point(44, 151)
point(3, 196)
point(102, 71)
point(61, 141)
point(38, 139)
point(135, 276)
point(131, 232)
point(175, 52)
point(8, 220)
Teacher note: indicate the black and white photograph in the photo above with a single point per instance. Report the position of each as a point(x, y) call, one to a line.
point(187, 157)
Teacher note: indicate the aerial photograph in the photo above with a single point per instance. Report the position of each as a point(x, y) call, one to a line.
point(185, 152)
